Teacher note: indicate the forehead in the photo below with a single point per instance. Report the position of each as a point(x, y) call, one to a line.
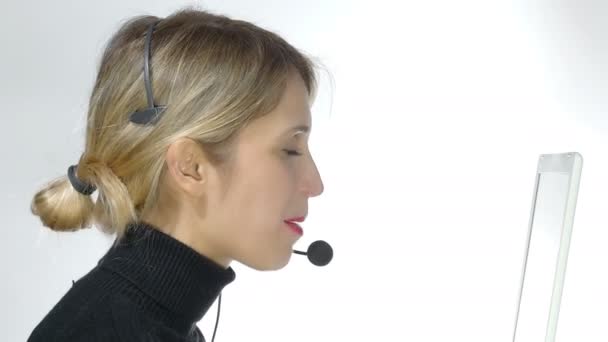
point(290, 117)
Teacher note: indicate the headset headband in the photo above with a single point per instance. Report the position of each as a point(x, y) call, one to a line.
point(152, 114)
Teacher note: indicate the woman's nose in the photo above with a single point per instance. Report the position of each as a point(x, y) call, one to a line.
point(313, 184)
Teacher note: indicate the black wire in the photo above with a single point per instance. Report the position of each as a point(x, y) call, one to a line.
point(219, 303)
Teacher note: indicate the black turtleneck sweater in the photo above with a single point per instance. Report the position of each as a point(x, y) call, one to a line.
point(149, 287)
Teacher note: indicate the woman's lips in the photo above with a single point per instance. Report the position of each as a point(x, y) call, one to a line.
point(296, 219)
point(295, 227)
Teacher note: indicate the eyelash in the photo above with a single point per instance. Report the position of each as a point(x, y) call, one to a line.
point(292, 153)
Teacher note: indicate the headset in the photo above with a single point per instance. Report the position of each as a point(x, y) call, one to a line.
point(319, 252)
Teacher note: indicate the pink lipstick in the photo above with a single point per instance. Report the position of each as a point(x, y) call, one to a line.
point(294, 226)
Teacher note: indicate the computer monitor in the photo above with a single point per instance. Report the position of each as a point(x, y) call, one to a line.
point(544, 268)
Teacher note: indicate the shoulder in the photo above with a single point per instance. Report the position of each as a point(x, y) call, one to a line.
point(87, 312)
point(97, 316)
point(131, 324)
point(76, 319)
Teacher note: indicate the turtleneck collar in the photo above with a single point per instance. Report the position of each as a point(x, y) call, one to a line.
point(180, 280)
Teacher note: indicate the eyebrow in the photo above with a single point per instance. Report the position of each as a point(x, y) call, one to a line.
point(299, 128)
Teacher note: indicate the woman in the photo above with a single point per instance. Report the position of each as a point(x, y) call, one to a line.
point(199, 158)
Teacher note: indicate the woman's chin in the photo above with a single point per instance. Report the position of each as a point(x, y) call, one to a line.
point(273, 264)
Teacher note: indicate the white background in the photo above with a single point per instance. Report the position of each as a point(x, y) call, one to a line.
point(427, 129)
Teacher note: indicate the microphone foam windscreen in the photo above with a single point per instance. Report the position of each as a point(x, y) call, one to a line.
point(320, 253)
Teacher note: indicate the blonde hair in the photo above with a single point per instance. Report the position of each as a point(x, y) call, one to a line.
point(214, 74)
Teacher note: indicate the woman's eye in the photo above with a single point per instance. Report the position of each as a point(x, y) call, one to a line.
point(293, 153)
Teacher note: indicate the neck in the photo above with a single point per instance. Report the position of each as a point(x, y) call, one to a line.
point(181, 228)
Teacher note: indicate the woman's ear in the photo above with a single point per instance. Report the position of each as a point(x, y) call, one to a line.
point(187, 166)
